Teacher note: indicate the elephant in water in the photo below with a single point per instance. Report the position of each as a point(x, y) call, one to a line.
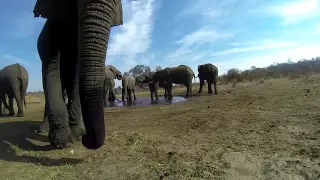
point(128, 87)
point(14, 81)
point(111, 73)
point(179, 75)
point(75, 37)
point(153, 87)
point(208, 72)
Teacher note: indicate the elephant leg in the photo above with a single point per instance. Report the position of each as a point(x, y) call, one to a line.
point(189, 88)
point(69, 79)
point(209, 88)
point(156, 87)
point(215, 86)
point(123, 94)
point(151, 94)
point(201, 85)
point(169, 91)
point(17, 96)
point(49, 47)
point(44, 126)
point(129, 95)
point(11, 110)
point(134, 94)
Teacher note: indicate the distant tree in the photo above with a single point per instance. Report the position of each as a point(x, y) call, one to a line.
point(158, 68)
point(233, 74)
point(139, 69)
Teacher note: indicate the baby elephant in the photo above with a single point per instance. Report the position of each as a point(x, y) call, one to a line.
point(128, 87)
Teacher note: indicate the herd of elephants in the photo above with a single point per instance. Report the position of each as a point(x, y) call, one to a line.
point(72, 47)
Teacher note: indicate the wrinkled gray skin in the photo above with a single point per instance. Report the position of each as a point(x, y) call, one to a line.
point(14, 81)
point(44, 126)
point(111, 73)
point(179, 75)
point(208, 72)
point(128, 87)
point(153, 87)
point(82, 30)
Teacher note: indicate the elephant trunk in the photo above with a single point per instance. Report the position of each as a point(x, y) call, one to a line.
point(95, 20)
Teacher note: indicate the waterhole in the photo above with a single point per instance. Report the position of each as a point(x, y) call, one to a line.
point(146, 101)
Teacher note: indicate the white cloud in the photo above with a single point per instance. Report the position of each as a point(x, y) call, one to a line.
point(135, 33)
point(9, 59)
point(265, 45)
point(192, 41)
point(266, 58)
point(318, 27)
point(296, 11)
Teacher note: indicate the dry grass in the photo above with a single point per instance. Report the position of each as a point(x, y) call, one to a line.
point(266, 130)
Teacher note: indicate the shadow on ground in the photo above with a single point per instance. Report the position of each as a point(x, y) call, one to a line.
point(146, 101)
point(16, 135)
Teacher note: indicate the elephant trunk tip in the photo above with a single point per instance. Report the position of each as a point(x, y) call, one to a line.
point(89, 143)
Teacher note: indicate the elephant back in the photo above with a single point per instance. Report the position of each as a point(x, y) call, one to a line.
point(181, 74)
point(207, 70)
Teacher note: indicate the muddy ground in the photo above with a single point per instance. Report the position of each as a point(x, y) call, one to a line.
point(257, 130)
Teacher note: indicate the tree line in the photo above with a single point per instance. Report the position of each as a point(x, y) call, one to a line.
point(288, 69)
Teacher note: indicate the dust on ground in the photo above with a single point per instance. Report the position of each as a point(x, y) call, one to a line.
point(255, 130)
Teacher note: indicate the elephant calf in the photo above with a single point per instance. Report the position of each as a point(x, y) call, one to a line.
point(208, 72)
point(179, 75)
point(14, 81)
point(128, 87)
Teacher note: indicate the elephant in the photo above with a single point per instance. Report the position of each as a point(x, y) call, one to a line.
point(153, 87)
point(82, 29)
point(111, 73)
point(208, 72)
point(128, 87)
point(14, 81)
point(181, 74)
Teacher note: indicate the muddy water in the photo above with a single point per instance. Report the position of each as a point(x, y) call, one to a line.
point(147, 102)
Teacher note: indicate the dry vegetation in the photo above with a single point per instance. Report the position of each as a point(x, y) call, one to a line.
point(263, 129)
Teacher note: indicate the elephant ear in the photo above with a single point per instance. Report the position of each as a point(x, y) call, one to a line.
point(118, 15)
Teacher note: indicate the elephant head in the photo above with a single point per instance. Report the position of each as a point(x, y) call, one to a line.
point(116, 73)
point(161, 75)
point(95, 19)
point(144, 78)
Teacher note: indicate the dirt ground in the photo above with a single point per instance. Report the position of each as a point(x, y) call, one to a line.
point(259, 130)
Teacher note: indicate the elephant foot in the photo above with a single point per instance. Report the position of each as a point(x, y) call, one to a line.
point(61, 140)
point(39, 131)
point(77, 132)
point(11, 114)
point(61, 145)
point(20, 114)
point(44, 127)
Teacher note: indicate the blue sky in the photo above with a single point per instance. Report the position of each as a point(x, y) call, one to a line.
point(227, 33)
